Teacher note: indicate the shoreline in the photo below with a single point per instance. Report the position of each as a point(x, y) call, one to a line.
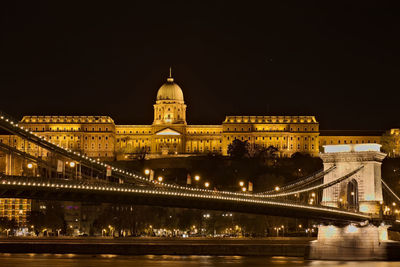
point(289, 247)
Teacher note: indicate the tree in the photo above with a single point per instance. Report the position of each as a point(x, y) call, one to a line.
point(142, 153)
point(272, 152)
point(388, 142)
point(238, 149)
point(52, 218)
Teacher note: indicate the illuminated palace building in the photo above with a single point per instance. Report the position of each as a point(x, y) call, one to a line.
point(169, 135)
point(100, 137)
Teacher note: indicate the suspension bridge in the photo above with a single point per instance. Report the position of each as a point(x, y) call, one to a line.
point(348, 191)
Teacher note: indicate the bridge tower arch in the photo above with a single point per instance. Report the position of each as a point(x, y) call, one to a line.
point(363, 190)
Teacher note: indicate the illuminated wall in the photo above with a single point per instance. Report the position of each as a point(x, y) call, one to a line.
point(290, 134)
point(15, 208)
point(93, 136)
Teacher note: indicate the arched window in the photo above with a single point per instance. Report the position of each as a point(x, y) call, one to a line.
point(352, 195)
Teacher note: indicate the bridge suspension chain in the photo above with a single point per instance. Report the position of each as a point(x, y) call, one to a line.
point(321, 186)
point(390, 191)
point(301, 182)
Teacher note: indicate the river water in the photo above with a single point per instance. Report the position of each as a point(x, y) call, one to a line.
point(68, 260)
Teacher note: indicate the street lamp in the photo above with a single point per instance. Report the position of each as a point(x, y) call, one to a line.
point(244, 189)
point(29, 165)
point(241, 183)
point(206, 184)
point(72, 164)
point(147, 171)
point(160, 179)
point(277, 188)
point(197, 178)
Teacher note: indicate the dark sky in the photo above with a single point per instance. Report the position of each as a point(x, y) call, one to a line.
point(339, 62)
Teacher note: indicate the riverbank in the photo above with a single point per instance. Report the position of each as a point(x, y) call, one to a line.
point(287, 247)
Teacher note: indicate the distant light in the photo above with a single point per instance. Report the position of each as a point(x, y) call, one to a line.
point(72, 164)
point(29, 165)
point(197, 177)
point(147, 171)
point(277, 188)
point(206, 184)
point(241, 183)
point(244, 189)
point(160, 179)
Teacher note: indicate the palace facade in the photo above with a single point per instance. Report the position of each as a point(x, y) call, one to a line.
point(169, 134)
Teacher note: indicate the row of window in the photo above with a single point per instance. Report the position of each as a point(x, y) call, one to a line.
point(65, 129)
point(270, 138)
point(125, 132)
point(351, 142)
point(305, 129)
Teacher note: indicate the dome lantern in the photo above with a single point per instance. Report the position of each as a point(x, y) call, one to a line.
point(170, 90)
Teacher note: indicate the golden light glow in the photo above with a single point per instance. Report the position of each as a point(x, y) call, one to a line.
point(277, 188)
point(160, 179)
point(197, 178)
point(241, 183)
point(29, 165)
point(244, 189)
point(206, 184)
point(147, 171)
point(72, 164)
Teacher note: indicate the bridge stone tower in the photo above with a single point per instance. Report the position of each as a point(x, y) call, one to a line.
point(362, 191)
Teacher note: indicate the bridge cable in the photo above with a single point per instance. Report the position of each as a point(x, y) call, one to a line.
point(302, 181)
point(321, 186)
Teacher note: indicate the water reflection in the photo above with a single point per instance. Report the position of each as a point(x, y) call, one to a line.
point(74, 260)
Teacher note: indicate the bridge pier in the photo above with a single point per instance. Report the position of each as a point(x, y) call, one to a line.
point(352, 242)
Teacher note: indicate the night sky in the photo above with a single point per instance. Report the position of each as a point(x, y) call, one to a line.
point(339, 62)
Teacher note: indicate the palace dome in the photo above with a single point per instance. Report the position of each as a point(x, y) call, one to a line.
point(170, 91)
